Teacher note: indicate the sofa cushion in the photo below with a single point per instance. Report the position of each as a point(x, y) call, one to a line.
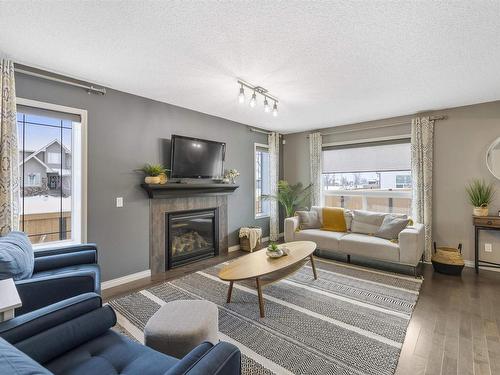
point(16, 256)
point(366, 222)
point(67, 271)
point(13, 361)
point(308, 219)
point(369, 246)
point(112, 353)
point(325, 240)
point(391, 227)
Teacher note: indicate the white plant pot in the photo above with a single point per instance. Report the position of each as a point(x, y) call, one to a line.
point(480, 211)
point(152, 179)
point(274, 254)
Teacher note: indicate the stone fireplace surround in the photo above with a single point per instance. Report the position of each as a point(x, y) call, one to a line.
point(163, 201)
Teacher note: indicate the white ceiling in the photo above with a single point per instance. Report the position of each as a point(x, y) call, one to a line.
point(329, 63)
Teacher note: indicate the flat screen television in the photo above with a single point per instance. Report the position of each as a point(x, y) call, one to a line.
point(196, 158)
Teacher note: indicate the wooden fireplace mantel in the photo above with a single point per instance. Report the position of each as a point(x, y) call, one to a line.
point(174, 190)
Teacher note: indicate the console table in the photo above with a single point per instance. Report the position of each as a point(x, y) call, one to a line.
point(484, 223)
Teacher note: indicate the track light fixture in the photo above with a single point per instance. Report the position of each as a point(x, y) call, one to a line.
point(253, 101)
point(267, 108)
point(241, 96)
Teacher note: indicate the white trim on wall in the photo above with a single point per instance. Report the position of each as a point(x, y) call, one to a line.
point(83, 167)
point(125, 279)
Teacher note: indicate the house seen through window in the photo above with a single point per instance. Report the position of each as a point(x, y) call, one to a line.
point(369, 176)
point(49, 177)
point(262, 180)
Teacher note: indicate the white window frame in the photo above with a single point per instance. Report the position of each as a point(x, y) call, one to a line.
point(79, 171)
point(255, 147)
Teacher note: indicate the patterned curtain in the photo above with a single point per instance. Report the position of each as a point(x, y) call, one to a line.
point(316, 168)
point(274, 160)
point(9, 167)
point(422, 139)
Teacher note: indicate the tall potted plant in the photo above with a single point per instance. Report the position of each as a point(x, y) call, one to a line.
point(291, 197)
point(480, 195)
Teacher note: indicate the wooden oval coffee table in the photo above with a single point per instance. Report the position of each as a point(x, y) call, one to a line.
point(265, 270)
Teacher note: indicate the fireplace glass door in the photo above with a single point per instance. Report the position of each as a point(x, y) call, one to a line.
point(192, 235)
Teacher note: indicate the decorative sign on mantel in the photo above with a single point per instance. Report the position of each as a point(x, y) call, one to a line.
point(173, 190)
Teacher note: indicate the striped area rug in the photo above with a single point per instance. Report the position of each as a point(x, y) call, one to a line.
point(351, 320)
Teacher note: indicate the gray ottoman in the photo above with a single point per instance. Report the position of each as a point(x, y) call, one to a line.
point(179, 326)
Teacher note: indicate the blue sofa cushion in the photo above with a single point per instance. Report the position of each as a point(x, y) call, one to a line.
point(51, 343)
point(30, 324)
point(111, 353)
point(16, 256)
point(13, 361)
point(91, 268)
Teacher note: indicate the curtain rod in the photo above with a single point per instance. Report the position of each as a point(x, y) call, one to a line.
point(90, 89)
point(433, 118)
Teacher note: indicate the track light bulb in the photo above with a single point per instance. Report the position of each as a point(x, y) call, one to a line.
point(275, 109)
point(253, 101)
point(267, 107)
point(241, 96)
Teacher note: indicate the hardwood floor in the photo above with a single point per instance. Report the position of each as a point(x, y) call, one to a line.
point(455, 326)
point(454, 330)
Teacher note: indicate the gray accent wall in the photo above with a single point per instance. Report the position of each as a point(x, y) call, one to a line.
point(460, 145)
point(124, 132)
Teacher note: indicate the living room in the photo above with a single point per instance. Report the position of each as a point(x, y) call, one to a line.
point(249, 188)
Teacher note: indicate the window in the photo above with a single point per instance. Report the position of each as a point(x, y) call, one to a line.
point(54, 158)
point(371, 176)
point(51, 154)
point(262, 180)
point(33, 179)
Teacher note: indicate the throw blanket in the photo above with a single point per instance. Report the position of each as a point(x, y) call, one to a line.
point(253, 234)
point(334, 219)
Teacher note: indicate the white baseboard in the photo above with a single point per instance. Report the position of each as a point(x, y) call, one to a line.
point(233, 248)
point(125, 279)
point(264, 239)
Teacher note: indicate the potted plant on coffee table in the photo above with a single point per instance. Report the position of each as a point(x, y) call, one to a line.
point(273, 251)
point(480, 195)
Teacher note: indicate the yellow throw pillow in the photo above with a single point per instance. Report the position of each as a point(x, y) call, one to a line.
point(334, 219)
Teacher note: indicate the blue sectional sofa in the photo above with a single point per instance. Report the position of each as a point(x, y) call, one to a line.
point(44, 277)
point(74, 337)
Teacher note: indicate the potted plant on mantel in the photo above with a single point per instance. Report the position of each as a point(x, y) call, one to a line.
point(480, 195)
point(155, 174)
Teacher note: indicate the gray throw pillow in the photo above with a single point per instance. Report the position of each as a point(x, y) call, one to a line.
point(308, 220)
point(366, 222)
point(16, 256)
point(391, 227)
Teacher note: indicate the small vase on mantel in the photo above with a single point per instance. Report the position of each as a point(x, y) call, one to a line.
point(480, 211)
point(163, 178)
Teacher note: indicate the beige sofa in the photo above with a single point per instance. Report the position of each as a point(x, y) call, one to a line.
point(407, 250)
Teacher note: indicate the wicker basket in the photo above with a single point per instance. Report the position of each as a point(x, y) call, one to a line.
point(245, 244)
point(448, 260)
